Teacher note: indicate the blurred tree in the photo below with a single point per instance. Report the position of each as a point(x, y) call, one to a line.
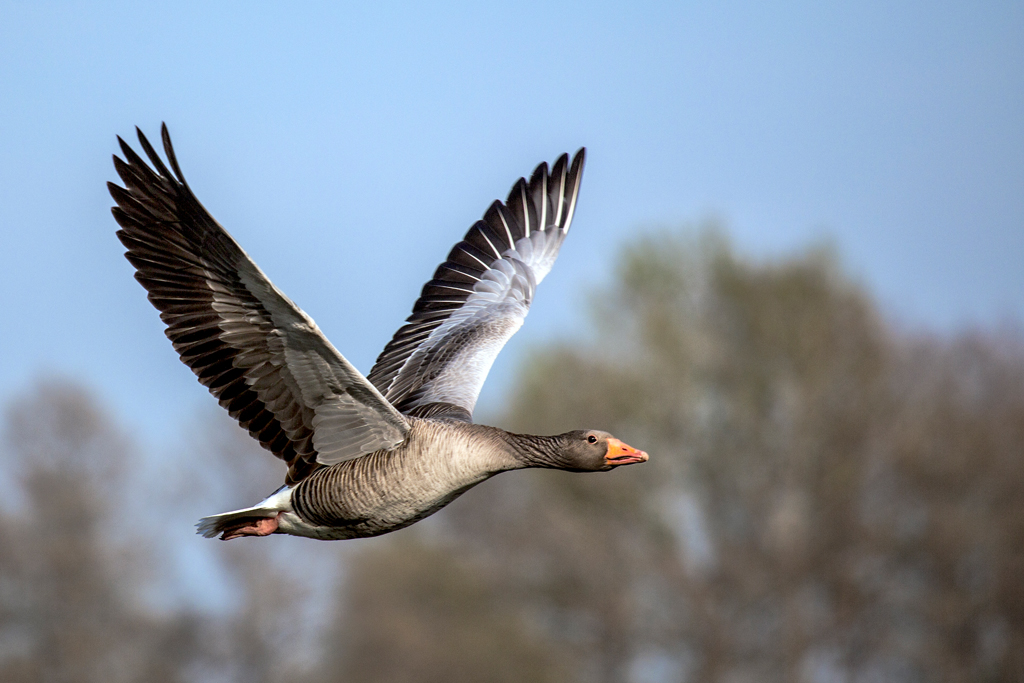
point(420, 614)
point(70, 609)
point(278, 588)
point(946, 511)
point(84, 537)
point(826, 500)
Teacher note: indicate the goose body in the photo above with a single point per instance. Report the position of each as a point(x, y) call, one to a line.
point(365, 455)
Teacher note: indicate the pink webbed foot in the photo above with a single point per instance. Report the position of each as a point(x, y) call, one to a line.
point(254, 526)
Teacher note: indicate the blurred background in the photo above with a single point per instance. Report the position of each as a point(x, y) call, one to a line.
point(794, 278)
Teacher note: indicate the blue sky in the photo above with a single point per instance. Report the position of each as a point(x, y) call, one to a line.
point(347, 147)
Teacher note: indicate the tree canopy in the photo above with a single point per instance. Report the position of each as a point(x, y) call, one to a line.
point(829, 498)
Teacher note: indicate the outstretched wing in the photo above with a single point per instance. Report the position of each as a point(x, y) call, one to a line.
point(437, 362)
point(261, 356)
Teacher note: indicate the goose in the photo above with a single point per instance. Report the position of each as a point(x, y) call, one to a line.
point(365, 455)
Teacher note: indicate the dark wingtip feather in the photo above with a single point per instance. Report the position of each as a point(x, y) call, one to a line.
point(126, 150)
point(578, 160)
point(132, 157)
point(538, 173)
point(117, 192)
point(154, 158)
point(118, 163)
point(517, 192)
point(573, 180)
point(123, 219)
point(165, 137)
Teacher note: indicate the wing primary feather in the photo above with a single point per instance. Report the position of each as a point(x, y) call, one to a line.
point(436, 363)
point(264, 360)
point(151, 153)
point(483, 233)
point(540, 176)
point(508, 231)
point(475, 258)
point(576, 173)
point(527, 227)
point(559, 173)
point(171, 158)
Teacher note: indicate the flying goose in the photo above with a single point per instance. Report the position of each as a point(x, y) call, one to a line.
point(365, 455)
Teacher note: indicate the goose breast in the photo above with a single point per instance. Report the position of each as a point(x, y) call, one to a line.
point(388, 490)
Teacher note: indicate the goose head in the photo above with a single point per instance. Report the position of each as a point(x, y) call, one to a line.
point(591, 450)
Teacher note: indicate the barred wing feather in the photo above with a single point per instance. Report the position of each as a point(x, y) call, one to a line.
point(437, 362)
point(261, 356)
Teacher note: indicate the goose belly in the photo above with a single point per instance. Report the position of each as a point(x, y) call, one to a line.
point(374, 495)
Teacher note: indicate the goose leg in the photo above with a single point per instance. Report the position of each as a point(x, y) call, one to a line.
point(254, 526)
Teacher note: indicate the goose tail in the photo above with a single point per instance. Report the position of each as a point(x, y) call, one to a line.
point(258, 520)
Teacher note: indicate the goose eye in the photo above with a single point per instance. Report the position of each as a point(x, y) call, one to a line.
point(591, 439)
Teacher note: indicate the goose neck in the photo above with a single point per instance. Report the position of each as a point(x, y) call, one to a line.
point(536, 451)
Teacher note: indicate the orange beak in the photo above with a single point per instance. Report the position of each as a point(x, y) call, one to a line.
point(621, 454)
